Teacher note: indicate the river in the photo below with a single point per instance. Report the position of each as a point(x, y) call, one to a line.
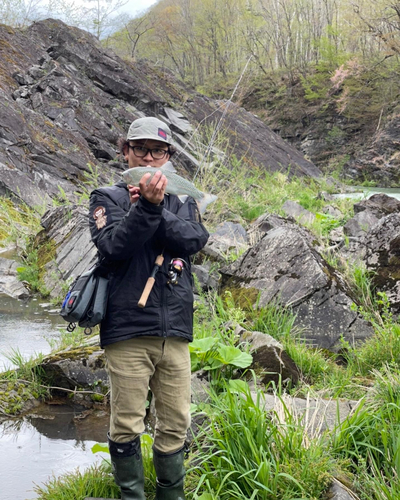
point(27, 326)
point(53, 441)
point(57, 438)
point(366, 192)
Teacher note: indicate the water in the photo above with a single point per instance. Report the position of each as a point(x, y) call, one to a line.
point(364, 193)
point(28, 327)
point(49, 443)
point(54, 440)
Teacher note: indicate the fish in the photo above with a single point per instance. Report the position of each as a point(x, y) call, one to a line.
point(176, 184)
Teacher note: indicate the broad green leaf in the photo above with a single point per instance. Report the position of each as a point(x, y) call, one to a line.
point(203, 345)
point(195, 362)
point(205, 496)
point(239, 386)
point(230, 355)
point(100, 447)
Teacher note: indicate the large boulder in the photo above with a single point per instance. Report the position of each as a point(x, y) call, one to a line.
point(284, 267)
point(66, 232)
point(78, 369)
point(383, 257)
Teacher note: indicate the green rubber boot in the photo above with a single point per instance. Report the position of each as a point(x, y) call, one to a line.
point(127, 464)
point(170, 474)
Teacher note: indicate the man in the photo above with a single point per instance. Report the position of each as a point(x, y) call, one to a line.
point(147, 347)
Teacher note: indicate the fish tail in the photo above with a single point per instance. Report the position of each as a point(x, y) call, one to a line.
point(206, 200)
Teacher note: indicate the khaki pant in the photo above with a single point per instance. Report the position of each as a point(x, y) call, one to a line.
point(163, 364)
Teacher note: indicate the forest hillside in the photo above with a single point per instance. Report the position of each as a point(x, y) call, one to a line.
point(322, 74)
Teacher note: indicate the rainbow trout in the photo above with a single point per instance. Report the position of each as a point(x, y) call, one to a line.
point(176, 184)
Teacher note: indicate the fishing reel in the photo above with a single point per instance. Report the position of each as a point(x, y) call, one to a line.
point(175, 269)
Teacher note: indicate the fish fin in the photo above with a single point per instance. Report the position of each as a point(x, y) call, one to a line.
point(206, 200)
point(168, 166)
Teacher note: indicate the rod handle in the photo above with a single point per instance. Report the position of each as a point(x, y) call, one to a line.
point(159, 260)
point(146, 292)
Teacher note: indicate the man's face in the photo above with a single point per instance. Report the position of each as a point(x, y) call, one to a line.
point(147, 160)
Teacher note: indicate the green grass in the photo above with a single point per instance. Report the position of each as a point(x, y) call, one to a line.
point(96, 481)
point(17, 223)
point(245, 452)
point(246, 191)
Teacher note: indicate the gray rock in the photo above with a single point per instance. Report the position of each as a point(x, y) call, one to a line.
point(82, 368)
point(207, 278)
point(299, 213)
point(360, 224)
point(267, 222)
point(284, 267)
point(270, 360)
point(257, 340)
point(9, 283)
point(315, 415)
point(336, 235)
point(383, 257)
point(379, 205)
point(339, 491)
point(229, 237)
point(332, 211)
point(67, 229)
point(200, 387)
point(178, 121)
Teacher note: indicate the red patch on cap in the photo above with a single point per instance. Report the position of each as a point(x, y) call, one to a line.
point(162, 133)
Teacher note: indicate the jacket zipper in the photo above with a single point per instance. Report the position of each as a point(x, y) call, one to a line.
point(163, 308)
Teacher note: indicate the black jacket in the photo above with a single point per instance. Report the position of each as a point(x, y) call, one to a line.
point(130, 238)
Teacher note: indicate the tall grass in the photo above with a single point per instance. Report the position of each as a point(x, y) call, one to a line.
point(17, 223)
point(97, 481)
point(370, 438)
point(246, 191)
point(244, 452)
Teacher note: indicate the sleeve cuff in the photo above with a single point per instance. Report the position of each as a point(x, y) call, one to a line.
point(151, 207)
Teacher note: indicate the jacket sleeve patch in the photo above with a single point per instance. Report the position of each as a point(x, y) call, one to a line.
point(100, 217)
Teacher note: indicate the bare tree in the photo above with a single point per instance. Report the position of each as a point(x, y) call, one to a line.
point(19, 13)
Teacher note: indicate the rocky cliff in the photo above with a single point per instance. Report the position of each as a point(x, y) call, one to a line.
point(65, 100)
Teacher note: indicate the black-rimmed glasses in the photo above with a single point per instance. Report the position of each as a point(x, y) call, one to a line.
point(156, 153)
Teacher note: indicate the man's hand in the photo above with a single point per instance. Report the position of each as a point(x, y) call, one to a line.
point(153, 191)
point(134, 193)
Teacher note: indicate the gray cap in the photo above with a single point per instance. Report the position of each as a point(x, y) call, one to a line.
point(149, 128)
